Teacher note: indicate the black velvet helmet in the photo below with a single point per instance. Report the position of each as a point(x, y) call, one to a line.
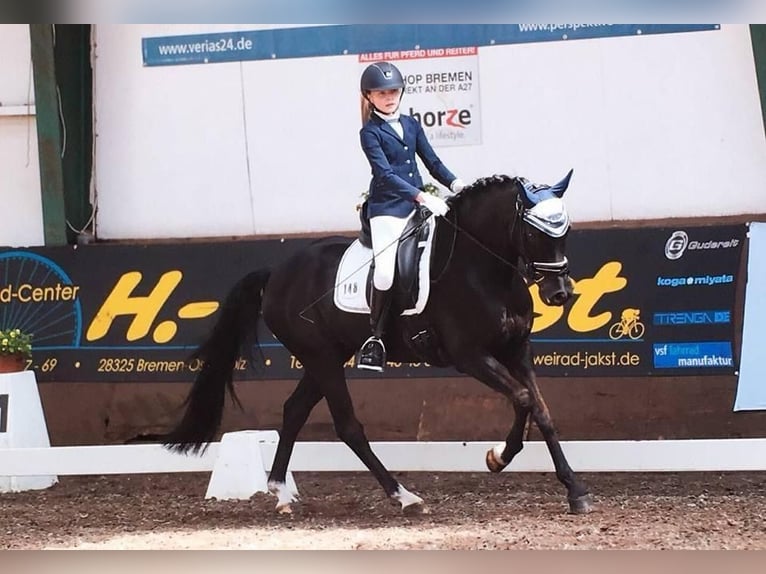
point(381, 76)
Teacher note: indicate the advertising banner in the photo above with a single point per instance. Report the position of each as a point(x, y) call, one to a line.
point(441, 91)
point(320, 41)
point(656, 301)
point(650, 301)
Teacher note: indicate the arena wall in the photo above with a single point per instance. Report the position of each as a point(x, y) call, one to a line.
point(662, 129)
point(21, 221)
point(655, 126)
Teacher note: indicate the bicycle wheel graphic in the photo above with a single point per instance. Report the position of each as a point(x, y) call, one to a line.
point(616, 331)
point(637, 331)
point(38, 297)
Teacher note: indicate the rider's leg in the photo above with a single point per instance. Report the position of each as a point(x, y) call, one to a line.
point(372, 355)
point(385, 231)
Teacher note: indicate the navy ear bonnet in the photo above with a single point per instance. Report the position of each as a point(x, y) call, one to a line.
point(537, 192)
point(545, 208)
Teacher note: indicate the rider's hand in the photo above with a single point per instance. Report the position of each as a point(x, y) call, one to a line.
point(435, 205)
point(457, 185)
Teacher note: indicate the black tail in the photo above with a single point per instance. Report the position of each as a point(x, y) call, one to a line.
point(235, 326)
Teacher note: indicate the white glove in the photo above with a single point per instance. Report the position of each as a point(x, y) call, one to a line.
point(435, 205)
point(457, 185)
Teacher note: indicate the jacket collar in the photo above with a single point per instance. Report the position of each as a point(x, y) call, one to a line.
point(386, 127)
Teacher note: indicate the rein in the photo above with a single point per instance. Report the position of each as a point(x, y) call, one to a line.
point(532, 272)
point(497, 256)
point(455, 229)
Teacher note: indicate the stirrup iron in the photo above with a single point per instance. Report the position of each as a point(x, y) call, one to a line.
point(372, 355)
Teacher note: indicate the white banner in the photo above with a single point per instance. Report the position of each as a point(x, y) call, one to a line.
point(441, 91)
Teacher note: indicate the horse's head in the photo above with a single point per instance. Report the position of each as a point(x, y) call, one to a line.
point(499, 210)
point(544, 229)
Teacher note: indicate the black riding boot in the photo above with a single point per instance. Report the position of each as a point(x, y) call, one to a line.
point(372, 355)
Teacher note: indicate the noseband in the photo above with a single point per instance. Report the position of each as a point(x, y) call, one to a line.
point(537, 271)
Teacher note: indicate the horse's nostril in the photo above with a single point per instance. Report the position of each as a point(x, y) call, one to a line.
point(560, 297)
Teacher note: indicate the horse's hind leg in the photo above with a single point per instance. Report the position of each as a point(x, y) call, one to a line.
point(294, 415)
point(501, 455)
point(332, 382)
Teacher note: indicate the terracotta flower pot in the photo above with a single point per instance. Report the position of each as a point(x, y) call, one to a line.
point(12, 363)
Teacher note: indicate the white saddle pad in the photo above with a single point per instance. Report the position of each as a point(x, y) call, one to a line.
point(351, 279)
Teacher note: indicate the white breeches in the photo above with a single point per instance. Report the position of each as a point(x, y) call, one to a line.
point(386, 231)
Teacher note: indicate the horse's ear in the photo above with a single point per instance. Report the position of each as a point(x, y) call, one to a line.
point(559, 188)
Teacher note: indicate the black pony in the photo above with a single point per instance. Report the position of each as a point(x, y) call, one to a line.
point(500, 235)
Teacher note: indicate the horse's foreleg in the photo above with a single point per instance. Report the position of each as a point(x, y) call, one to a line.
point(577, 493)
point(580, 500)
point(501, 455)
point(526, 396)
point(294, 415)
point(348, 428)
point(496, 375)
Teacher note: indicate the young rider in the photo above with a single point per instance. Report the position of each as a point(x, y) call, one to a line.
point(391, 141)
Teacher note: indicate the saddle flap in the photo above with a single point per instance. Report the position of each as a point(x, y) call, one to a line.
point(412, 284)
point(411, 250)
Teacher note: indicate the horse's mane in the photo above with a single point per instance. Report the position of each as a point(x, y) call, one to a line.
point(481, 185)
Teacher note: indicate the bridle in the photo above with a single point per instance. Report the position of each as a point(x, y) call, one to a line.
point(533, 271)
point(538, 270)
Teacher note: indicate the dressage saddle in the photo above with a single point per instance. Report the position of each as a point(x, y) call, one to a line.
point(410, 249)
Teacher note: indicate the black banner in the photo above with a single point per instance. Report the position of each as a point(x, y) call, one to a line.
point(650, 301)
point(647, 301)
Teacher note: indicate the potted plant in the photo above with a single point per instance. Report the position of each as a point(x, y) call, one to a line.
point(15, 349)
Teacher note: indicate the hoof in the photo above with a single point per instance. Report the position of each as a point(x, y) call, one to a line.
point(581, 505)
point(417, 509)
point(494, 463)
point(411, 503)
point(286, 496)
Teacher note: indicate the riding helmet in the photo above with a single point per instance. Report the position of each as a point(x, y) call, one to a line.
point(381, 76)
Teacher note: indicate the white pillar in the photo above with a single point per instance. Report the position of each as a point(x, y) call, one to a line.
point(22, 425)
point(240, 469)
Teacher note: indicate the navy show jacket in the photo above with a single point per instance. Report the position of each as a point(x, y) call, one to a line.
point(396, 180)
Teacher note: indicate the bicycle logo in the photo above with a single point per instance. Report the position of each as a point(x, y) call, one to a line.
point(628, 325)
